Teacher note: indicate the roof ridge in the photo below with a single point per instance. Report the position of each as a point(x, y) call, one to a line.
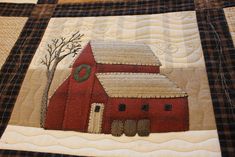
point(102, 50)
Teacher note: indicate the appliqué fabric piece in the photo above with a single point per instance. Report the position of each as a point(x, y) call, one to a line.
point(95, 118)
point(83, 94)
point(117, 128)
point(87, 69)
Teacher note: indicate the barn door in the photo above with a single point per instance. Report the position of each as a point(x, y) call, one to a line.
point(95, 118)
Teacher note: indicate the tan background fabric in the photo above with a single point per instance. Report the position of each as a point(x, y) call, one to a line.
point(19, 1)
point(10, 28)
point(229, 13)
point(27, 108)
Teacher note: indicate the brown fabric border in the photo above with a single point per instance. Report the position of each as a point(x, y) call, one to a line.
point(122, 8)
point(219, 56)
point(229, 3)
point(16, 65)
point(47, 1)
point(205, 4)
point(13, 9)
point(10, 153)
point(14, 69)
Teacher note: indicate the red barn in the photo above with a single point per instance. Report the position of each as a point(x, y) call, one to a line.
point(117, 82)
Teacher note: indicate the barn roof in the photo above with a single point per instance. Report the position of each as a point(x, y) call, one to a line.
point(139, 85)
point(116, 52)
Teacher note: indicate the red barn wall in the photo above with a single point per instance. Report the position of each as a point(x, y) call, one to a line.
point(79, 94)
point(98, 96)
point(161, 120)
point(56, 107)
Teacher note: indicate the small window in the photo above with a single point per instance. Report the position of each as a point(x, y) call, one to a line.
point(168, 107)
point(122, 107)
point(145, 107)
point(97, 108)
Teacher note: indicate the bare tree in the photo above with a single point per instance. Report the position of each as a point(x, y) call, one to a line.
point(57, 51)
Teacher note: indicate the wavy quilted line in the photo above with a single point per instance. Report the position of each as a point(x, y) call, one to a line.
point(111, 149)
point(101, 140)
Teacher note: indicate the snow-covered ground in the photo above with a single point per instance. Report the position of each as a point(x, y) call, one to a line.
point(188, 144)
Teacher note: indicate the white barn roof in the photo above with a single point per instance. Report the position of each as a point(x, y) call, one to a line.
point(116, 52)
point(139, 85)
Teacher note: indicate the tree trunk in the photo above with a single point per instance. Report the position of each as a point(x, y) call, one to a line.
point(50, 76)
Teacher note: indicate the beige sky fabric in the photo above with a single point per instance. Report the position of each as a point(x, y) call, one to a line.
point(173, 37)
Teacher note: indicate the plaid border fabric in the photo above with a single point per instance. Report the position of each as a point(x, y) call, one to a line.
point(205, 4)
point(11, 9)
point(16, 65)
point(43, 11)
point(220, 60)
point(229, 3)
point(10, 153)
point(47, 1)
point(122, 8)
point(14, 69)
point(216, 41)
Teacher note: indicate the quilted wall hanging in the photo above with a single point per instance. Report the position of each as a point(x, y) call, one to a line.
point(117, 78)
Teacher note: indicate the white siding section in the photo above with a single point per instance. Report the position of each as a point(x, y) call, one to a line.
point(95, 119)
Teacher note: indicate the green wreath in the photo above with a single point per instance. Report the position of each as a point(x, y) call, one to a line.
point(77, 71)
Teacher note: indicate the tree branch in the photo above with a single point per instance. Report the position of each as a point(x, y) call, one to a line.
point(60, 48)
